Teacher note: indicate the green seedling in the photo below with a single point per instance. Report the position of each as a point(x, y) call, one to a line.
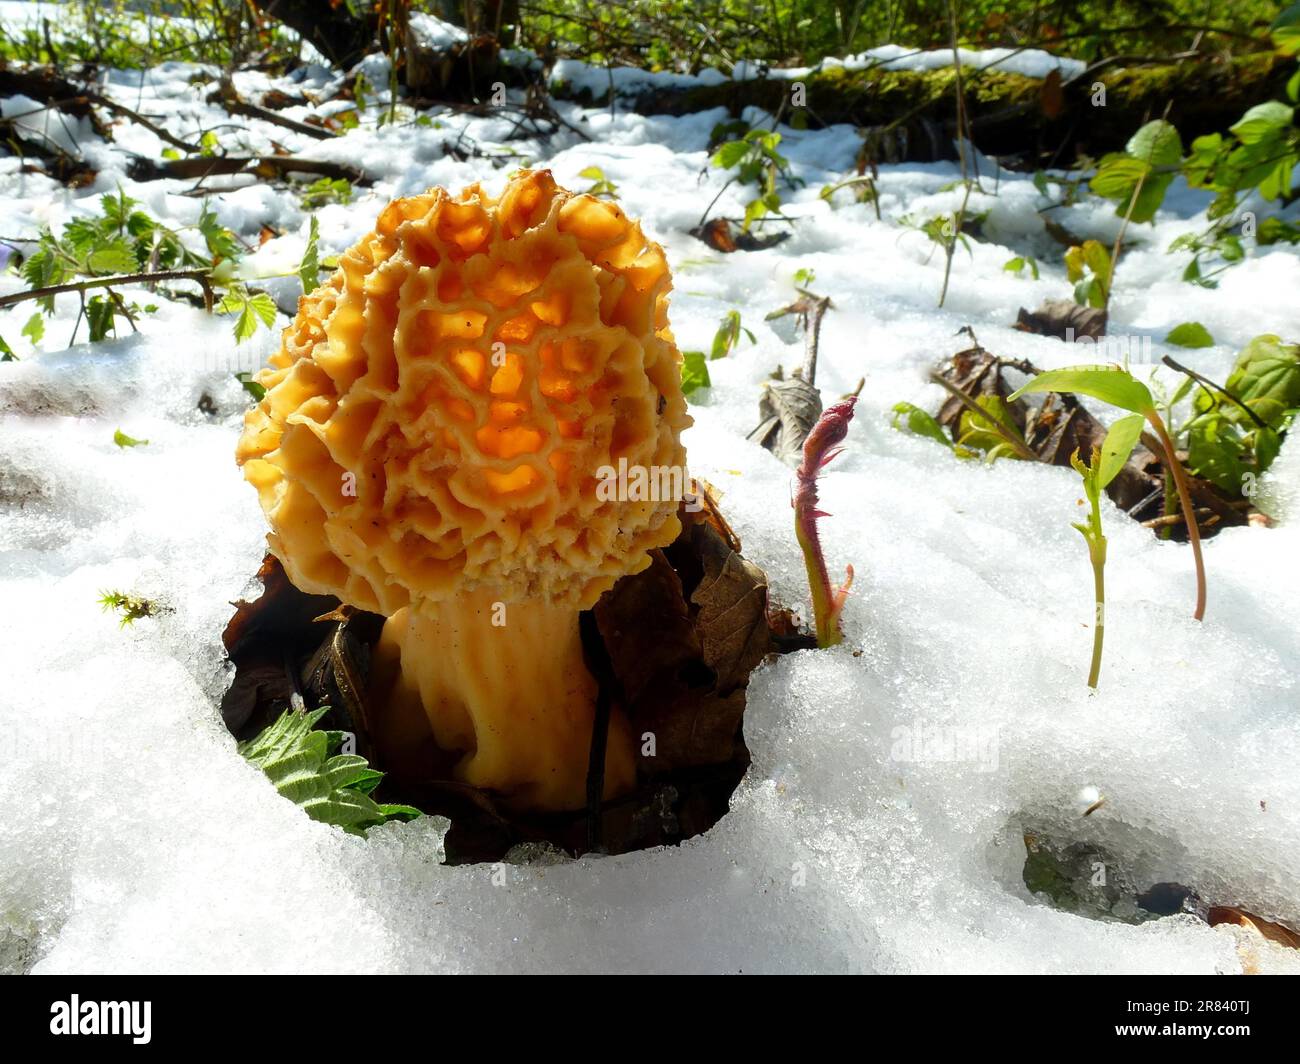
point(1089, 268)
point(695, 372)
point(131, 608)
point(601, 186)
point(331, 789)
point(1118, 387)
point(819, 449)
point(1105, 465)
point(757, 160)
point(728, 335)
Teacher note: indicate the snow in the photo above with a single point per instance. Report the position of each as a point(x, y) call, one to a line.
point(434, 33)
point(881, 826)
point(579, 76)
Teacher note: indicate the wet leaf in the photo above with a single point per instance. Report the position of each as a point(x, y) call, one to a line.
point(1190, 334)
point(1110, 384)
point(787, 409)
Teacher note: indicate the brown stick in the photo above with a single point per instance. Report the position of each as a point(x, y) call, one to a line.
point(201, 276)
point(1172, 364)
point(237, 105)
point(144, 169)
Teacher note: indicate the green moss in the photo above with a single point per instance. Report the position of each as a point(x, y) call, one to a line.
point(1203, 96)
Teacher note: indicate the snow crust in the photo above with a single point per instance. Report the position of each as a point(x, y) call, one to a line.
point(881, 827)
point(581, 76)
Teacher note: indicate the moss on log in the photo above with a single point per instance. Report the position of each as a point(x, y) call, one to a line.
point(1026, 122)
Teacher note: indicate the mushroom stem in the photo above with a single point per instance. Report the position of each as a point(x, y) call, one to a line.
point(505, 686)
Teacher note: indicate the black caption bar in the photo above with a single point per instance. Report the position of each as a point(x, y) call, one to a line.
point(143, 1013)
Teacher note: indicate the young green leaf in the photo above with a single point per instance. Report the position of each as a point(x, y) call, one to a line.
point(131, 607)
point(6, 352)
point(309, 268)
point(333, 790)
point(920, 422)
point(729, 154)
point(34, 330)
point(1266, 378)
point(1110, 384)
point(1156, 143)
point(1190, 334)
point(1263, 122)
point(1120, 440)
point(257, 391)
point(695, 372)
point(99, 316)
point(123, 440)
point(1286, 30)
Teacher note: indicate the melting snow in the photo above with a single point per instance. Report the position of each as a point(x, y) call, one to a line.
point(135, 838)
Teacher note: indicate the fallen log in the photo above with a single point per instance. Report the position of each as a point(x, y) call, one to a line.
point(1026, 122)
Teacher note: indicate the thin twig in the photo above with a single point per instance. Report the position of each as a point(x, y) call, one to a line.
point(1172, 364)
point(1018, 445)
point(201, 276)
point(812, 334)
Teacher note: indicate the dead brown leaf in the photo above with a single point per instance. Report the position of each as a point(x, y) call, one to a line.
point(1050, 96)
point(1064, 319)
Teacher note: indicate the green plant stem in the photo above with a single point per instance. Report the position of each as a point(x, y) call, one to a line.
point(1185, 498)
point(1098, 556)
point(1016, 443)
point(826, 622)
point(1171, 504)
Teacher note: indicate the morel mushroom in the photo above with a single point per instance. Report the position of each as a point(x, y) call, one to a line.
point(431, 446)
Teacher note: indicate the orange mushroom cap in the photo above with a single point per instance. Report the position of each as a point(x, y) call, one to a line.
point(439, 413)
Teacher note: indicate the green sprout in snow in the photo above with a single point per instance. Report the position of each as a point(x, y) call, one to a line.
point(1117, 386)
point(1106, 464)
point(131, 607)
point(819, 449)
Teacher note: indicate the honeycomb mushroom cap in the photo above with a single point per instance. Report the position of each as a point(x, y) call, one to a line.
point(438, 414)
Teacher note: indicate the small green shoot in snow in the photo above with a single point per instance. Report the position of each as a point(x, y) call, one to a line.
point(1106, 464)
point(330, 789)
point(123, 440)
point(131, 607)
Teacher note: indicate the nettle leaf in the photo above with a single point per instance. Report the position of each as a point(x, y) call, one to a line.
point(1120, 440)
point(1110, 384)
point(264, 307)
point(309, 268)
point(695, 372)
point(220, 241)
point(116, 257)
point(333, 790)
point(1266, 378)
point(34, 330)
point(1190, 334)
point(99, 316)
point(249, 309)
point(919, 422)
